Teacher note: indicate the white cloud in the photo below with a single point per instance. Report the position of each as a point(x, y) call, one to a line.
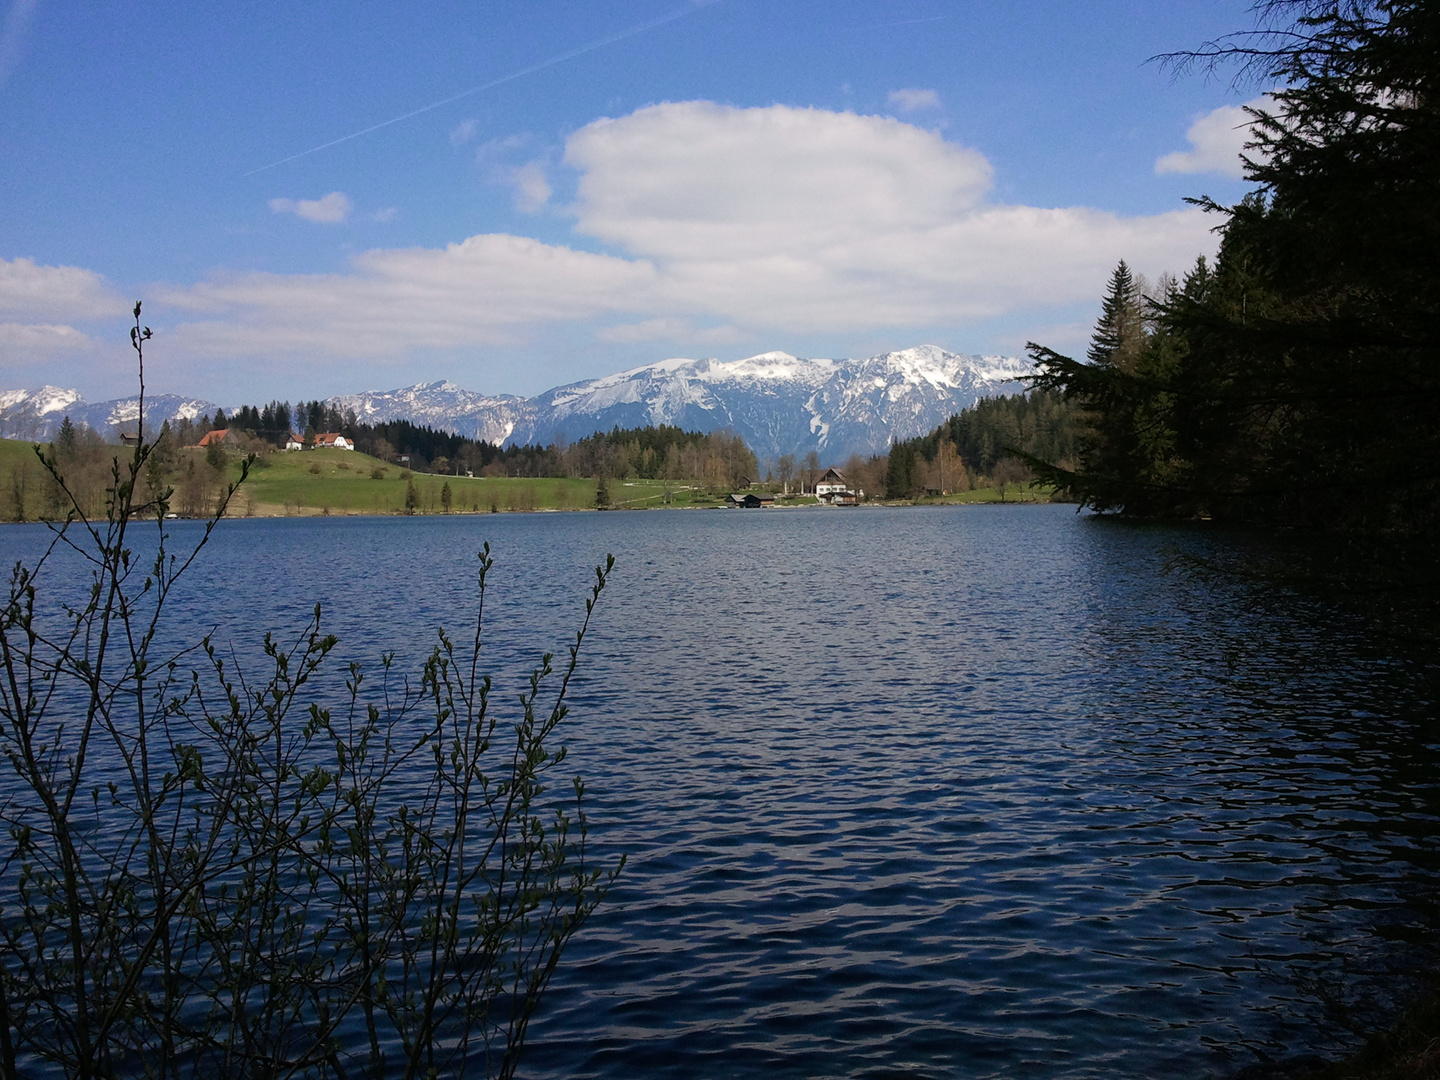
point(492, 150)
point(800, 220)
point(649, 330)
point(913, 100)
point(462, 133)
point(478, 292)
point(27, 339)
point(329, 210)
point(1217, 140)
point(678, 330)
point(385, 215)
point(532, 189)
point(64, 293)
point(699, 180)
point(721, 224)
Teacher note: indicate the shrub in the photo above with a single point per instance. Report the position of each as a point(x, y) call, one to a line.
point(206, 875)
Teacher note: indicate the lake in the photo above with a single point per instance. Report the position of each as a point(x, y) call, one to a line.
point(954, 791)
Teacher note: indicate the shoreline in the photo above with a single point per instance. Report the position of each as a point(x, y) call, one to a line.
point(272, 511)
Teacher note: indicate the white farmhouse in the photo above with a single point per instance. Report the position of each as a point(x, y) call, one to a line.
point(830, 483)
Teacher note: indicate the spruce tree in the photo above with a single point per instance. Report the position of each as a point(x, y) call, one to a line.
point(66, 441)
point(900, 481)
point(1119, 333)
point(1293, 382)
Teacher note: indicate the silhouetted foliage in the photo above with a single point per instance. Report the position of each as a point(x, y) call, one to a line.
point(203, 875)
point(1293, 382)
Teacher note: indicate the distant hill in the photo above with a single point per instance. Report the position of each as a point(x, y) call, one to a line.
point(778, 403)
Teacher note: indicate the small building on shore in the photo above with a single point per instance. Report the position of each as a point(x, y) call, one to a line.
point(749, 500)
point(832, 482)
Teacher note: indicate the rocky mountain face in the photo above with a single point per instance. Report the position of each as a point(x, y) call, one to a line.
point(778, 403)
point(37, 414)
point(443, 406)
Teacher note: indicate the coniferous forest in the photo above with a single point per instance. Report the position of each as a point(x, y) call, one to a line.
point(1293, 380)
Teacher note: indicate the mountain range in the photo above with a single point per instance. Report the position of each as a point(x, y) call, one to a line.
point(778, 403)
point(37, 414)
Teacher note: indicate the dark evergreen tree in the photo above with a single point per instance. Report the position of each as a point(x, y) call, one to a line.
point(1119, 335)
point(900, 475)
point(66, 441)
point(1294, 381)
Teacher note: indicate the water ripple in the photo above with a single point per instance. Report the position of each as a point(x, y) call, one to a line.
point(967, 792)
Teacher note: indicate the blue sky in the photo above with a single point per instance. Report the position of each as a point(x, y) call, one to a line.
point(646, 179)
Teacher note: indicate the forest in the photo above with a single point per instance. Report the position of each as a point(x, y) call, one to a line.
point(986, 445)
point(1291, 382)
point(718, 459)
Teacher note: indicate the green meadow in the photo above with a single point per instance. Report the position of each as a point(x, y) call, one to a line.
point(347, 482)
point(322, 482)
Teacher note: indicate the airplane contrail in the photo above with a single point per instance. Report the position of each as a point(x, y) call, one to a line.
point(902, 22)
point(694, 5)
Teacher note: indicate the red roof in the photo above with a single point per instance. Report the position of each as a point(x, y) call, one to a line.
point(213, 437)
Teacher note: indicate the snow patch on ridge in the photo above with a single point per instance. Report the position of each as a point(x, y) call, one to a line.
point(777, 402)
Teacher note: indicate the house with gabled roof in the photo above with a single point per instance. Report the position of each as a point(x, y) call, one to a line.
point(832, 481)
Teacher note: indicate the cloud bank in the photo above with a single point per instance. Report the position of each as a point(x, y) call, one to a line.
point(713, 224)
point(38, 304)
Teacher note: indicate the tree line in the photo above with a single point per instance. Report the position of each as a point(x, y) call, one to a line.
point(1292, 381)
point(986, 445)
point(715, 460)
point(718, 458)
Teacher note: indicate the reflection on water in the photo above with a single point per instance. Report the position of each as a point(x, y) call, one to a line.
point(954, 792)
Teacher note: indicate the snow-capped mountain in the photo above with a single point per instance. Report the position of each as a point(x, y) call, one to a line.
point(778, 403)
point(440, 405)
point(37, 414)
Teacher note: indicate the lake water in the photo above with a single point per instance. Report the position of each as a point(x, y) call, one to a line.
point(961, 792)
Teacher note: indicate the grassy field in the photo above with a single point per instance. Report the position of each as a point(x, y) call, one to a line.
point(16, 454)
point(346, 482)
point(339, 482)
point(331, 481)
